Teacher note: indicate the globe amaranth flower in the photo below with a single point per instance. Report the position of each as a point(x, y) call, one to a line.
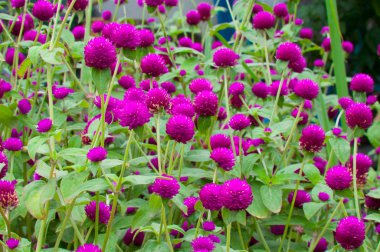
point(135, 94)
point(236, 88)
point(78, 32)
point(204, 10)
point(112, 102)
point(210, 196)
point(13, 144)
point(146, 38)
point(157, 99)
point(193, 17)
point(222, 114)
point(24, 106)
point(350, 232)
point(131, 236)
point(28, 24)
point(224, 158)
point(206, 103)
point(359, 115)
point(225, 57)
point(220, 141)
point(303, 116)
point(263, 20)
point(8, 195)
point(44, 125)
point(312, 138)
point(202, 244)
point(17, 3)
point(326, 44)
point(154, 3)
point(298, 65)
point(43, 10)
point(9, 56)
point(321, 246)
point(338, 178)
point(306, 33)
point(97, 26)
point(127, 81)
point(79, 4)
point(319, 63)
point(260, 90)
point(200, 84)
point(125, 36)
point(275, 87)
point(153, 65)
point(239, 122)
point(371, 99)
point(99, 53)
point(372, 203)
point(362, 83)
point(302, 197)
point(180, 128)
point(97, 154)
point(186, 109)
point(133, 114)
point(363, 163)
point(61, 92)
point(208, 226)
point(345, 102)
point(190, 202)
point(306, 89)
point(167, 186)
point(277, 229)
point(12, 243)
point(104, 211)
point(280, 10)
point(88, 248)
point(3, 164)
point(323, 196)
point(107, 15)
point(236, 194)
point(347, 46)
point(148, 84)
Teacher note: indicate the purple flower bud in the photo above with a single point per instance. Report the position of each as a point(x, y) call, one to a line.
point(193, 17)
point(24, 106)
point(44, 125)
point(104, 211)
point(225, 57)
point(97, 154)
point(224, 158)
point(43, 10)
point(312, 138)
point(88, 248)
point(180, 128)
point(12, 243)
point(362, 83)
point(153, 65)
point(359, 115)
point(323, 196)
point(167, 187)
point(263, 20)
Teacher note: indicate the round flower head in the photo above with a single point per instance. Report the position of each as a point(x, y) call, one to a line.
point(107, 15)
point(146, 38)
point(224, 158)
point(306, 89)
point(78, 32)
point(336, 131)
point(99, 53)
point(239, 122)
point(130, 236)
point(225, 57)
point(277, 229)
point(97, 26)
point(12, 243)
point(127, 81)
point(363, 163)
point(202, 244)
point(135, 94)
point(61, 92)
point(9, 56)
point(168, 86)
point(4, 164)
point(326, 44)
point(133, 114)
point(263, 20)
point(323, 196)
point(104, 211)
point(44, 125)
point(180, 128)
point(97, 154)
point(222, 114)
point(347, 46)
point(8, 195)
point(185, 42)
point(28, 24)
point(79, 4)
point(301, 198)
point(371, 99)
point(154, 3)
point(210, 196)
point(204, 10)
point(359, 115)
point(319, 63)
point(153, 65)
point(220, 141)
point(261, 90)
point(126, 36)
point(147, 84)
point(236, 88)
point(171, 3)
point(298, 66)
point(17, 3)
point(186, 109)
point(31, 36)
point(362, 83)
point(350, 233)
point(321, 246)
point(88, 248)
point(208, 226)
point(193, 17)
point(157, 99)
point(312, 138)
point(190, 202)
point(306, 33)
point(303, 115)
point(200, 84)
point(236, 194)
point(206, 103)
point(13, 144)
point(372, 203)
point(108, 29)
point(43, 10)
point(24, 106)
point(345, 102)
point(167, 187)
point(338, 178)
point(280, 10)
point(257, 8)
point(276, 85)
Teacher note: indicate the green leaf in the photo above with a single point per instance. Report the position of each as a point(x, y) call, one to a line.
point(35, 195)
point(23, 68)
point(34, 144)
point(311, 208)
point(94, 185)
point(101, 78)
point(71, 185)
point(312, 173)
point(73, 155)
point(197, 156)
point(110, 163)
point(375, 217)
point(186, 50)
point(373, 134)
point(139, 179)
point(374, 193)
point(146, 213)
point(6, 116)
point(155, 246)
point(52, 56)
point(204, 123)
point(232, 216)
point(8, 17)
point(257, 207)
point(68, 37)
point(341, 148)
point(321, 188)
point(273, 197)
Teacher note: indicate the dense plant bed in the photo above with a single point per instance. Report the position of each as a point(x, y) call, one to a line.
point(166, 136)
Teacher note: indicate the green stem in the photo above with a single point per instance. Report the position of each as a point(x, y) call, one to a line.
point(160, 168)
point(262, 238)
point(166, 38)
point(63, 226)
point(241, 236)
point(267, 61)
point(277, 96)
point(167, 235)
point(6, 219)
point(357, 207)
point(228, 242)
point(96, 218)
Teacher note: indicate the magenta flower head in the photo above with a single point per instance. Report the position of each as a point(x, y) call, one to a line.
point(338, 178)
point(193, 17)
point(97, 26)
point(88, 248)
point(326, 44)
point(257, 8)
point(157, 99)
point(362, 83)
point(236, 88)
point(236, 194)
point(210, 196)
point(372, 203)
point(9, 56)
point(43, 10)
point(359, 115)
point(28, 24)
point(104, 211)
point(298, 66)
point(263, 20)
point(345, 102)
point(127, 81)
point(323, 196)
point(78, 32)
point(261, 90)
point(133, 114)
point(190, 202)
point(44, 125)
point(280, 10)
point(371, 99)
point(222, 114)
point(12, 243)
point(208, 226)
point(363, 163)
point(107, 15)
point(79, 4)
point(171, 3)
point(153, 65)
point(322, 245)
point(17, 3)
point(303, 116)
point(13, 144)
point(130, 236)
point(180, 128)
point(24, 106)
point(301, 198)
point(154, 3)
point(126, 36)
point(276, 85)
point(8, 194)
point(206, 103)
point(239, 122)
point(224, 158)
point(306, 89)
point(97, 154)
point(204, 10)
point(186, 109)
point(312, 138)
point(185, 42)
point(319, 63)
point(202, 244)
point(99, 53)
point(4, 163)
point(277, 229)
point(350, 232)
point(288, 51)
point(200, 84)
point(146, 38)
point(166, 186)
point(348, 47)
point(147, 84)
point(61, 92)
point(306, 33)
point(220, 141)
point(168, 86)
point(225, 57)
